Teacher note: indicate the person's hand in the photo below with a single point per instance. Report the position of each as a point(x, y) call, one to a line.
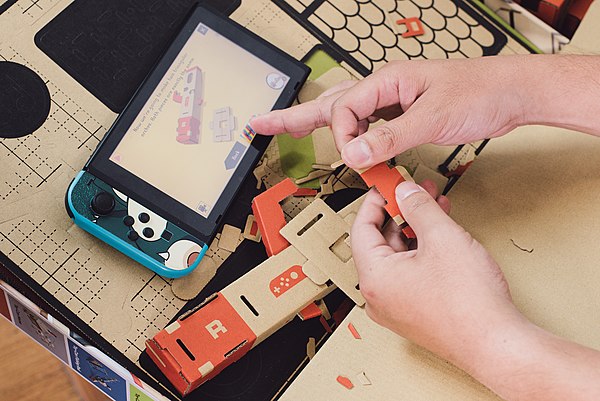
point(446, 102)
point(449, 296)
point(445, 294)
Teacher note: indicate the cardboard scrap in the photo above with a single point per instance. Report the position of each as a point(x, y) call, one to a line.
point(363, 379)
point(305, 192)
point(354, 332)
point(344, 381)
point(230, 238)
point(251, 231)
point(311, 348)
point(325, 167)
point(260, 172)
point(313, 175)
point(337, 164)
point(324, 310)
point(326, 188)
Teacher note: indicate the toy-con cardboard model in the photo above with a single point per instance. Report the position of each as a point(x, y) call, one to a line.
point(309, 256)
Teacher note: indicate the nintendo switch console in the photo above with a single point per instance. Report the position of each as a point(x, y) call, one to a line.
point(160, 181)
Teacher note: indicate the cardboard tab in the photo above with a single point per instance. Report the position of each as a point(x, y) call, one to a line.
point(319, 234)
point(269, 216)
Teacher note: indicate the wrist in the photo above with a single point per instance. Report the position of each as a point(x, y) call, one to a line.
point(560, 90)
point(499, 350)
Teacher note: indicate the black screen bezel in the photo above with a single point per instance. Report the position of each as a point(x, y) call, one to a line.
point(150, 196)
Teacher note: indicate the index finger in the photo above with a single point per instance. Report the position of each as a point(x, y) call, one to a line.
point(302, 119)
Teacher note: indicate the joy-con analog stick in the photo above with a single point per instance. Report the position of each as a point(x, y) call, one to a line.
point(103, 203)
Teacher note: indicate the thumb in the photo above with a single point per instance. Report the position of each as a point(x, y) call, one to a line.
point(387, 140)
point(420, 210)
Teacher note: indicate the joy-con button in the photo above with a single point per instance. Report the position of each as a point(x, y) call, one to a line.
point(144, 217)
point(128, 221)
point(103, 203)
point(148, 232)
point(132, 235)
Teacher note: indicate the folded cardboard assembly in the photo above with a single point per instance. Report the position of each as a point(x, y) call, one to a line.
point(309, 257)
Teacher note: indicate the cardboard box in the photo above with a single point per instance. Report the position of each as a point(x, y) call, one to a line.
point(97, 303)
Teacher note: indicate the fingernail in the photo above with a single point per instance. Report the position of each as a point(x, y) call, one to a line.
point(406, 189)
point(356, 152)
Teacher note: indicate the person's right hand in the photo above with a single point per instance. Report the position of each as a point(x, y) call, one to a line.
point(447, 102)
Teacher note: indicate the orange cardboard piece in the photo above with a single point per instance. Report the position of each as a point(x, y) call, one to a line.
point(310, 312)
point(204, 344)
point(414, 27)
point(325, 325)
point(305, 192)
point(344, 381)
point(354, 332)
point(269, 216)
point(385, 180)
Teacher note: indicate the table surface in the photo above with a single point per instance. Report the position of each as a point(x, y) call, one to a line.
point(29, 372)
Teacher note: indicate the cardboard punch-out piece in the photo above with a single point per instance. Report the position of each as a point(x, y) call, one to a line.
point(385, 179)
point(269, 215)
point(319, 234)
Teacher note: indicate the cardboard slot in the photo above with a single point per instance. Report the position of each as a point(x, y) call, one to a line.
point(186, 350)
point(249, 305)
point(235, 349)
point(202, 305)
point(341, 249)
point(310, 224)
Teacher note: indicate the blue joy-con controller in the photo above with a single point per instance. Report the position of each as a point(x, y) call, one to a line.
point(131, 228)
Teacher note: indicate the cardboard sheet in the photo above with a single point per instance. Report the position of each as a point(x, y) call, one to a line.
point(585, 39)
point(536, 189)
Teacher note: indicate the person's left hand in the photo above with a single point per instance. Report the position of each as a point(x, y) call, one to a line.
point(446, 295)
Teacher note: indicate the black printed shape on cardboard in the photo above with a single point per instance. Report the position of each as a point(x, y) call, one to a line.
point(24, 100)
point(110, 46)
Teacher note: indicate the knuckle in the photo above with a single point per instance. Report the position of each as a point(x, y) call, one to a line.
point(320, 117)
point(386, 138)
point(415, 202)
